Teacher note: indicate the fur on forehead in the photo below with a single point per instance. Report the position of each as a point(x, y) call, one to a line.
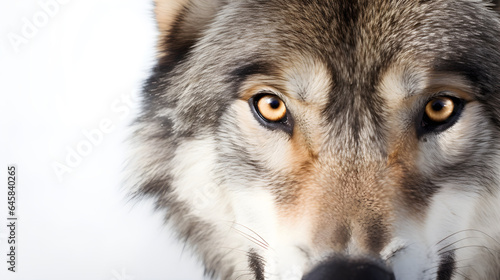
point(184, 23)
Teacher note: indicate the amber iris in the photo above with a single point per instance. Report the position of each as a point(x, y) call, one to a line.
point(439, 109)
point(271, 108)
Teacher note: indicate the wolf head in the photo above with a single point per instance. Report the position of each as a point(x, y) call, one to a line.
point(327, 139)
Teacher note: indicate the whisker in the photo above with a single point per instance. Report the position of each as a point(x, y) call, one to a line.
point(474, 246)
point(434, 273)
point(465, 230)
point(453, 243)
point(251, 238)
point(261, 238)
point(470, 267)
point(453, 234)
point(437, 266)
point(463, 275)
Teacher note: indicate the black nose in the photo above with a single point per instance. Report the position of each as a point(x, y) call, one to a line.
point(342, 269)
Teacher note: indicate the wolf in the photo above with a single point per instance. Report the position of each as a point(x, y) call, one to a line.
point(326, 139)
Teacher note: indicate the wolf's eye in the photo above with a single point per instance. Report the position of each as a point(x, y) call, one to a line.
point(271, 112)
point(440, 113)
point(439, 109)
point(271, 108)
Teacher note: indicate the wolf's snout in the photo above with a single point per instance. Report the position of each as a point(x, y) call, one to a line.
point(349, 270)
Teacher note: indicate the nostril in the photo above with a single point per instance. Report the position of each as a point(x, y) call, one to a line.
point(349, 270)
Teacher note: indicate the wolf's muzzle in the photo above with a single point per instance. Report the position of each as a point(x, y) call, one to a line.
point(345, 269)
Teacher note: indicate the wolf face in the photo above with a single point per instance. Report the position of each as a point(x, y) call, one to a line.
point(327, 139)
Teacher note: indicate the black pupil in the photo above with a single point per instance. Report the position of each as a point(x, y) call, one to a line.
point(438, 105)
point(274, 103)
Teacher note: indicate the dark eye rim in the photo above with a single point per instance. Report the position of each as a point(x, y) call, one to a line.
point(286, 124)
point(426, 126)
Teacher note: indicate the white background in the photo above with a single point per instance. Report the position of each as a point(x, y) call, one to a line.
point(66, 70)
